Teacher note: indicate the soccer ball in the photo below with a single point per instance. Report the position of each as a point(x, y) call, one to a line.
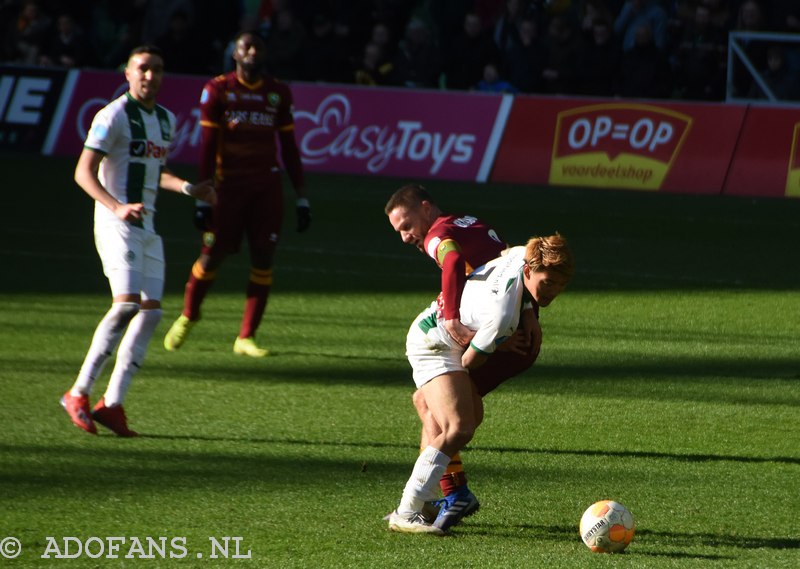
point(607, 527)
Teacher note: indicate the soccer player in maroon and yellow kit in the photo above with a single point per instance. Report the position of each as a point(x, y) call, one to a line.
point(243, 115)
point(458, 244)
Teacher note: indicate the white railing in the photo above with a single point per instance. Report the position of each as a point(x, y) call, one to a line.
point(737, 50)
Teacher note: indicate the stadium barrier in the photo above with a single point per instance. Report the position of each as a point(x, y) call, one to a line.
point(668, 146)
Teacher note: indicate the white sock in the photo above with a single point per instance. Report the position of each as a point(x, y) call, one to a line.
point(421, 487)
point(131, 354)
point(105, 340)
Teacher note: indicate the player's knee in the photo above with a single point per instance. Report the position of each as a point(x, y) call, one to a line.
point(418, 398)
point(459, 433)
point(121, 313)
point(152, 316)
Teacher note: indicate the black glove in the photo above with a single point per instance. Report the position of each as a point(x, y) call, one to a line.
point(303, 215)
point(202, 217)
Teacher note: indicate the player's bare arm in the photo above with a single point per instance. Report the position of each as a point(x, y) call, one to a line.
point(87, 178)
point(472, 358)
point(519, 343)
point(202, 190)
point(532, 329)
point(450, 258)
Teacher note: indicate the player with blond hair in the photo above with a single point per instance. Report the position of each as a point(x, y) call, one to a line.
point(495, 295)
point(457, 243)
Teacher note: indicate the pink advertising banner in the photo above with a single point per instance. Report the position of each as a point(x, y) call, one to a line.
point(352, 130)
point(394, 132)
point(94, 89)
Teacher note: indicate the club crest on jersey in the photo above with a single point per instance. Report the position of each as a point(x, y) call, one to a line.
point(165, 134)
point(273, 99)
point(209, 239)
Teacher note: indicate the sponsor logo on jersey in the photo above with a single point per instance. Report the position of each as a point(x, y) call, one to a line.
point(138, 148)
point(100, 131)
point(254, 118)
point(465, 221)
point(617, 145)
point(147, 149)
point(252, 97)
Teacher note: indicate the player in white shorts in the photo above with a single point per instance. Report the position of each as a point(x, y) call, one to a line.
point(495, 294)
point(122, 165)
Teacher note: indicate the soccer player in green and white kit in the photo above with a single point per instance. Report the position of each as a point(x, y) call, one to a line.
point(494, 296)
point(122, 165)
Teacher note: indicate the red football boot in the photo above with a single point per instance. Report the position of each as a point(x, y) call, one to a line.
point(78, 410)
point(112, 418)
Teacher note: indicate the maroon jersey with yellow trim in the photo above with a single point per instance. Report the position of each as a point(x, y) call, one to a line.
point(249, 118)
point(460, 244)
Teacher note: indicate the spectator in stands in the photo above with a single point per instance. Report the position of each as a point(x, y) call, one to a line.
point(372, 68)
point(505, 31)
point(115, 29)
point(493, 82)
point(284, 54)
point(720, 13)
point(157, 16)
point(447, 17)
point(325, 56)
point(700, 59)
point(589, 12)
point(633, 15)
point(216, 22)
point(68, 47)
point(471, 51)
point(417, 62)
point(526, 60)
point(646, 72)
point(182, 46)
point(784, 16)
point(750, 18)
point(26, 38)
point(780, 80)
point(395, 14)
point(560, 72)
point(381, 35)
point(600, 61)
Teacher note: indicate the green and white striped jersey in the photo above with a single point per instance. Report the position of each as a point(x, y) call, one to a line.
point(135, 142)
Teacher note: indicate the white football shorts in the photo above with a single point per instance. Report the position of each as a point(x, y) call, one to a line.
point(432, 353)
point(133, 259)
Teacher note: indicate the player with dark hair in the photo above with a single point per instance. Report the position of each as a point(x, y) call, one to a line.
point(458, 244)
point(243, 115)
point(492, 302)
point(122, 165)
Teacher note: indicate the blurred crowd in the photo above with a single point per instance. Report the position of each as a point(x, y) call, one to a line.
point(630, 48)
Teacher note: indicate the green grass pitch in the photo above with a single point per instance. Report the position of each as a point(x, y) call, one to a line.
point(669, 380)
